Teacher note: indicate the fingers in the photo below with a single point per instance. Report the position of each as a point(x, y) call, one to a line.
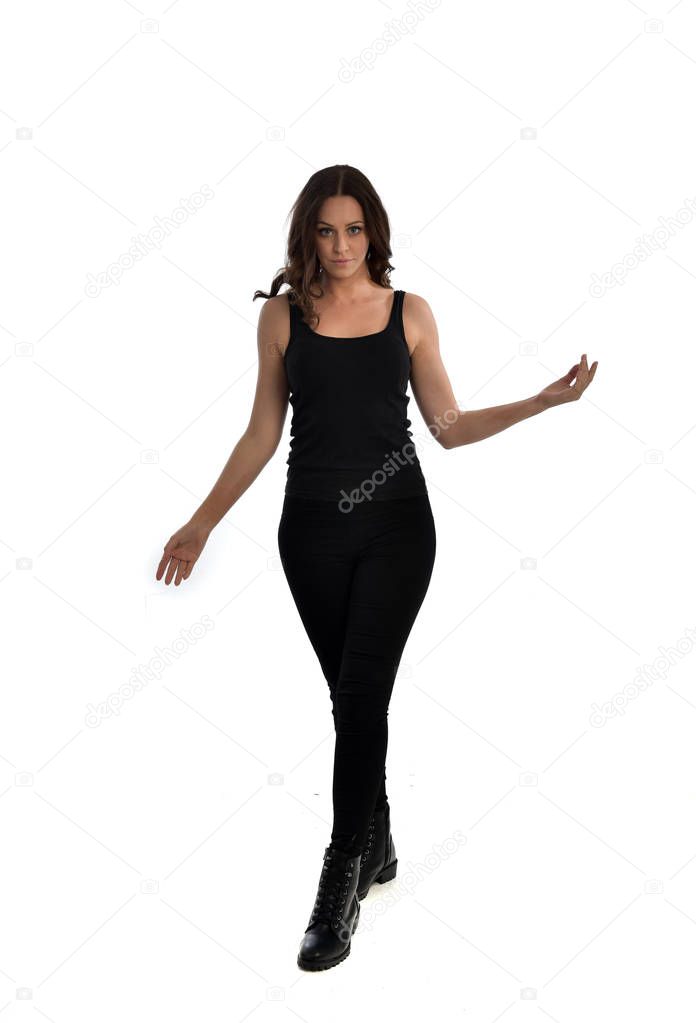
point(162, 565)
point(183, 565)
point(178, 559)
point(582, 366)
point(177, 568)
point(588, 374)
point(585, 375)
point(169, 546)
point(173, 564)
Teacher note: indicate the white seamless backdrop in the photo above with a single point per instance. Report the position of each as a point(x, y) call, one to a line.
point(166, 753)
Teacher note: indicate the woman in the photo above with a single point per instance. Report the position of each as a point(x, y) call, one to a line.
point(356, 535)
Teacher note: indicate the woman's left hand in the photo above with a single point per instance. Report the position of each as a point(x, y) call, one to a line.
point(562, 390)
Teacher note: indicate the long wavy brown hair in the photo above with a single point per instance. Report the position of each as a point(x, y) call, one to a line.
point(302, 270)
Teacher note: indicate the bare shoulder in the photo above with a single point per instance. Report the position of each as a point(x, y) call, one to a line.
point(274, 323)
point(419, 323)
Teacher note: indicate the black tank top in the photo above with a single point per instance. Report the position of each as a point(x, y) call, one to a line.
point(351, 441)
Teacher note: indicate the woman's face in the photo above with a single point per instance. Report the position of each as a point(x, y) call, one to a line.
point(340, 235)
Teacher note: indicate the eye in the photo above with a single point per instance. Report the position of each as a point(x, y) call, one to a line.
point(354, 227)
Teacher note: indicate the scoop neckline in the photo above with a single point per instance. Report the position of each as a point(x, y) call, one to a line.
point(357, 337)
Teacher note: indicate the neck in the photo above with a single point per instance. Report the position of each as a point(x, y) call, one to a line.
point(349, 290)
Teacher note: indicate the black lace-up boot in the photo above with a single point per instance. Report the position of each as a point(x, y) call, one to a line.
point(378, 861)
point(335, 914)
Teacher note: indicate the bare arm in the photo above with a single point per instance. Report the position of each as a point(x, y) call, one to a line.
point(259, 441)
point(432, 389)
point(253, 449)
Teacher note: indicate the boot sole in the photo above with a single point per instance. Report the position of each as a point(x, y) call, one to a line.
point(326, 964)
point(388, 874)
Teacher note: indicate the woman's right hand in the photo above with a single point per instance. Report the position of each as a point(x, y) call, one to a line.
point(182, 551)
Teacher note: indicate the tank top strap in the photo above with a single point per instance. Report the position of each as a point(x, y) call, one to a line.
point(295, 318)
point(395, 315)
point(396, 322)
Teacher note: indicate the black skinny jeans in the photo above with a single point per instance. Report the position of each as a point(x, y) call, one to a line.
point(358, 579)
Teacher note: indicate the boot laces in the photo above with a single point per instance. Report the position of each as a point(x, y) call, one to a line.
point(370, 841)
point(332, 892)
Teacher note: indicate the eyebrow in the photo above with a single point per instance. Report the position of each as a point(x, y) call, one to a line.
point(347, 225)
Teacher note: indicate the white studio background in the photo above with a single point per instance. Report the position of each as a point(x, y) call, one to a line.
point(162, 844)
